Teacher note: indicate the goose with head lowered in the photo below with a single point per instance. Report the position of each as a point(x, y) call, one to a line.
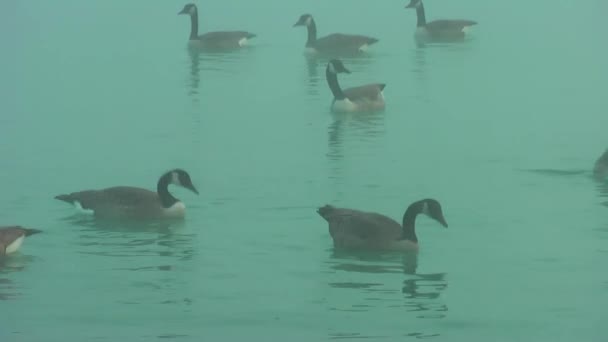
point(213, 40)
point(361, 230)
point(12, 237)
point(440, 31)
point(335, 43)
point(365, 98)
point(127, 202)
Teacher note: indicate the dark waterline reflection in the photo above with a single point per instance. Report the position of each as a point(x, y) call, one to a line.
point(211, 61)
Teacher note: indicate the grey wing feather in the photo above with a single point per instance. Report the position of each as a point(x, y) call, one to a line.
point(364, 225)
point(340, 40)
point(449, 25)
point(370, 91)
point(223, 36)
point(120, 196)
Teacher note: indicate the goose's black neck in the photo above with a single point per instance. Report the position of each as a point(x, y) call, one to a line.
point(332, 81)
point(409, 221)
point(194, 25)
point(420, 15)
point(312, 32)
point(166, 199)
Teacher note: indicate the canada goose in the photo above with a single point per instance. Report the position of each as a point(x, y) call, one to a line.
point(11, 238)
point(355, 229)
point(443, 30)
point(332, 43)
point(367, 97)
point(134, 203)
point(600, 171)
point(213, 40)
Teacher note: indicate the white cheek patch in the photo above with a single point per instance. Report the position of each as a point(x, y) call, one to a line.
point(331, 68)
point(192, 10)
point(175, 179)
point(425, 209)
point(308, 21)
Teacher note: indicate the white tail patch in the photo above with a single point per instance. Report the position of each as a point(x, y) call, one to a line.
point(81, 209)
point(14, 246)
point(243, 41)
point(363, 47)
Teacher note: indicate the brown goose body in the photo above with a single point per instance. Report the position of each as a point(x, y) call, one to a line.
point(364, 230)
point(11, 238)
point(335, 43)
point(216, 39)
point(441, 30)
point(134, 203)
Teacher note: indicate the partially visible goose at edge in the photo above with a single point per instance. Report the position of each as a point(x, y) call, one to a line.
point(365, 98)
point(134, 203)
point(600, 171)
point(12, 237)
point(335, 42)
point(359, 230)
point(442, 30)
point(213, 40)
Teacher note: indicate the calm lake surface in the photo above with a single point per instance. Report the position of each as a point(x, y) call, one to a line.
point(503, 130)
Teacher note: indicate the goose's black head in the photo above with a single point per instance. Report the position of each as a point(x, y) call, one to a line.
point(181, 178)
point(305, 20)
point(414, 4)
point(431, 208)
point(189, 9)
point(335, 66)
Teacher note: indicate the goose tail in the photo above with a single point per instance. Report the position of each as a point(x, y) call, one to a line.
point(65, 198)
point(30, 231)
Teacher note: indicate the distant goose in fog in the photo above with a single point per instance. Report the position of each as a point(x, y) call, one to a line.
point(442, 30)
point(361, 230)
point(213, 40)
point(332, 43)
point(600, 171)
point(11, 238)
point(134, 203)
point(368, 97)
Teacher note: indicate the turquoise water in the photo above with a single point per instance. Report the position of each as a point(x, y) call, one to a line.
point(503, 130)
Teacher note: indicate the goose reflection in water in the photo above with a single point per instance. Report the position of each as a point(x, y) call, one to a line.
point(421, 292)
point(118, 239)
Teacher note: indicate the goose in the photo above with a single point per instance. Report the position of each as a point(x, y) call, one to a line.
point(11, 238)
point(360, 230)
point(332, 43)
point(600, 171)
point(442, 30)
point(368, 97)
point(213, 40)
point(126, 202)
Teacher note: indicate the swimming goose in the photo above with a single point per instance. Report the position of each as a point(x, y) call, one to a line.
point(213, 40)
point(600, 171)
point(11, 238)
point(368, 97)
point(134, 203)
point(355, 229)
point(332, 43)
point(442, 30)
